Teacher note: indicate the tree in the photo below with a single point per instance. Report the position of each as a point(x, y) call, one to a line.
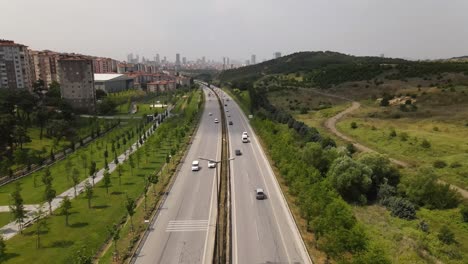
point(425, 144)
point(138, 156)
point(107, 180)
point(2, 248)
point(69, 170)
point(49, 195)
point(75, 178)
point(147, 150)
point(116, 159)
point(153, 179)
point(47, 176)
point(66, 206)
point(119, 171)
point(93, 170)
point(446, 235)
point(382, 172)
point(114, 233)
point(19, 213)
point(41, 224)
point(354, 125)
point(131, 205)
point(464, 214)
point(89, 192)
point(132, 164)
point(351, 179)
point(84, 160)
point(106, 165)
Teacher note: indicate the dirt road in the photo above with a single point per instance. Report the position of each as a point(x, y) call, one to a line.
point(330, 124)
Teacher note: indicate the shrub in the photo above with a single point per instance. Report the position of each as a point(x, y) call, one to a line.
point(400, 207)
point(354, 125)
point(351, 148)
point(393, 133)
point(424, 226)
point(435, 128)
point(403, 136)
point(455, 164)
point(439, 164)
point(446, 235)
point(425, 144)
point(464, 213)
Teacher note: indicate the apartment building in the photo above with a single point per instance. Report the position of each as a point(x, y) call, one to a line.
point(104, 65)
point(44, 66)
point(77, 82)
point(15, 71)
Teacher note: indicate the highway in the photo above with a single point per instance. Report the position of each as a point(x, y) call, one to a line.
point(263, 231)
point(184, 229)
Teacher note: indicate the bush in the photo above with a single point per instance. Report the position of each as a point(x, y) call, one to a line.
point(425, 190)
point(351, 148)
point(439, 164)
point(464, 214)
point(354, 125)
point(455, 164)
point(400, 207)
point(403, 136)
point(446, 235)
point(393, 133)
point(425, 144)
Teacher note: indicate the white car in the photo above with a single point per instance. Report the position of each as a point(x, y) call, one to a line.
point(260, 194)
point(216, 120)
point(210, 114)
point(195, 165)
point(211, 164)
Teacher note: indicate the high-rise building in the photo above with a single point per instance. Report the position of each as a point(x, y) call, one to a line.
point(44, 66)
point(247, 62)
point(253, 59)
point(277, 54)
point(158, 61)
point(102, 65)
point(130, 58)
point(203, 60)
point(15, 71)
point(184, 61)
point(77, 82)
point(227, 62)
point(177, 60)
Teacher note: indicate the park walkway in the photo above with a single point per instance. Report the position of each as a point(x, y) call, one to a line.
point(11, 229)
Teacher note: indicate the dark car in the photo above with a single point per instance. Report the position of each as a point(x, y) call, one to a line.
point(238, 152)
point(230, 123)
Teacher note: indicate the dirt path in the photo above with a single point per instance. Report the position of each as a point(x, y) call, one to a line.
point(330, 124)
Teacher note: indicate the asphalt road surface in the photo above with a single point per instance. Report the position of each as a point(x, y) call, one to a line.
point(184, 230)
point(263, 231)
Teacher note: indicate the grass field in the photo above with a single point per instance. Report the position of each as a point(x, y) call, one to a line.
point(88, 228)
point(33, 194)
point(5, 218)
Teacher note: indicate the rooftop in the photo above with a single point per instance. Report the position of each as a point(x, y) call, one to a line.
point(101, 77)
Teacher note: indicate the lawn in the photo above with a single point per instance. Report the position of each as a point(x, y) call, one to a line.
point(5, 218)
point(33, 194)
point(106, 210)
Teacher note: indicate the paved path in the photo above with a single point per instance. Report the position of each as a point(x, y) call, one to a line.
point(330, 124)
point(27, 207)
point(11, 229)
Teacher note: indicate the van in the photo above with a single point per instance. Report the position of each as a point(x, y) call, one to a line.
point(195, 165)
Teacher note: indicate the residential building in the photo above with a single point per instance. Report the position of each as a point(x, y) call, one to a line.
point(252, 59)
point(184, 61)
point(177, 61)
point(102, 65)
point(277, 55)
point(161, 86)
point(44, 66)
point(77, 82)
point(15, 71)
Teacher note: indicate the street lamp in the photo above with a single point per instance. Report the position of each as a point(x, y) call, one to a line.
point(217, 197)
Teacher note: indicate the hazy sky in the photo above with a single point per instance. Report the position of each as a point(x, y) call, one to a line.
point(416, 29)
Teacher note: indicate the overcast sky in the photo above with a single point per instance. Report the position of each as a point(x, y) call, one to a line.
point(417, 29)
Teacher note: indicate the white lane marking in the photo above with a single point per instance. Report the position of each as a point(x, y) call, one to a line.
point(256, 230)
point(213, 191)
point(187, 225)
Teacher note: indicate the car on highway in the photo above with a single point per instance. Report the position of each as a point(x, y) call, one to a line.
point(211, 164)
point(195, 165)
point(230, 123)
point(259, 194)
point(238, 152)
point(229, 115)
point(245, 138)
point(210, 114)
point(216, 120)
point(227, 110)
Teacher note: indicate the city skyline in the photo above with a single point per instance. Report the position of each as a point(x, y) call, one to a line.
point(413, 29)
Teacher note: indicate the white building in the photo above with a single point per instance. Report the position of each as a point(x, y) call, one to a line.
point(15, 71)
point(112, 82)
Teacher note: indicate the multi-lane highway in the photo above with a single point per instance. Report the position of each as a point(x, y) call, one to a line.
point(263, 231)
point(184, 230)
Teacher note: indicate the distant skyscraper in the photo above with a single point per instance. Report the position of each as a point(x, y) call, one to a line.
point(247, 62)
point(277, 54)
point(130, 58)
point(137, 59)
point(165, 59)
point(203, 60)
point(177, 60)
point(253, 59)
point(157, 59)
point(227, 61)
point(184, 60)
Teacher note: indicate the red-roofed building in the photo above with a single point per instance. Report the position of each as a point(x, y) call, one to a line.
point(161, 86)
